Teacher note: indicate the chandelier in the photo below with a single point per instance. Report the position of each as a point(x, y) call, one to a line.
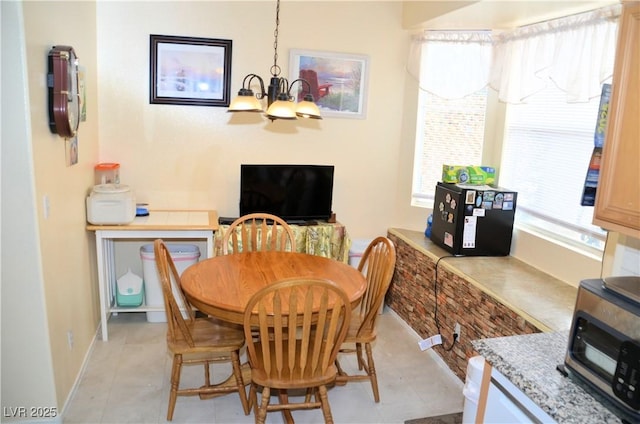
point(280, 102)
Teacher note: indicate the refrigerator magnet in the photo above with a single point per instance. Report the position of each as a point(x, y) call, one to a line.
point(471, 197)
point(448, 239)
point(497, 202)
point(479, 212)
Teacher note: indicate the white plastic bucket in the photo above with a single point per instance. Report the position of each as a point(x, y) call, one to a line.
point(183, 256)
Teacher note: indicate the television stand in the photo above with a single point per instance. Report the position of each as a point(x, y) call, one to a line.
point(301, 222)
point(312, 237)
point(225, 220)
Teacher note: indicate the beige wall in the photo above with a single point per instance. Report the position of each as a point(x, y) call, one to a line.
point(68, 265)
point(27, 372)
point(490, 14)
point(189, 157)
point(61, 260)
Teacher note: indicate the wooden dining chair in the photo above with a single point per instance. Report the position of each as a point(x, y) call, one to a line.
point(258, 231)
point(199, 340)
point(300, 324)
point(377, 264)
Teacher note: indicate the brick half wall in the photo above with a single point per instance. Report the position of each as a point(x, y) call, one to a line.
point(412, 296)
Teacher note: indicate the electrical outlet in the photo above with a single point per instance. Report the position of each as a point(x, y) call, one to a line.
point(46, 207)
point(456, 330)
point(70, 339)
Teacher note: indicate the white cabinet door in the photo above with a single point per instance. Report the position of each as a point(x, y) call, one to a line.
point(506, 404)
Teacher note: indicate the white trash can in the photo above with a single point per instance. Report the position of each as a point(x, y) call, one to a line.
point(471, 390)
point(183, 256)
point(358, 246)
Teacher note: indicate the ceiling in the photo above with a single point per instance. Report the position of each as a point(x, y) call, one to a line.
point(489, 14)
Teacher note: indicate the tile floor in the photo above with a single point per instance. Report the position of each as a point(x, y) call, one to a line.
point(126, 380)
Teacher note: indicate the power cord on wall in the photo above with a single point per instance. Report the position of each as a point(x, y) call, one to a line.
point(435, 310)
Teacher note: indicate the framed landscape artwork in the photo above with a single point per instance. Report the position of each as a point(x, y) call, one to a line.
point(337, 81)
point(189, 71)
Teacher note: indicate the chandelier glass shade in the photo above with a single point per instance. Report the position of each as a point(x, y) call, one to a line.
point(280, 101)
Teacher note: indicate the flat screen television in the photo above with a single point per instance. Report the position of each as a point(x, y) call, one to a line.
point(292, 192)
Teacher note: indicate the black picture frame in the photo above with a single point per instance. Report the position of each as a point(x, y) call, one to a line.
point(190, 71)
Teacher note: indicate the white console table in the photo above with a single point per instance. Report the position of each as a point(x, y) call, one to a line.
point(164, 224)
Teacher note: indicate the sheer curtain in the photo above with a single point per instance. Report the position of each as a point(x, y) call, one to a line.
point(451, 64)
point(568, 52)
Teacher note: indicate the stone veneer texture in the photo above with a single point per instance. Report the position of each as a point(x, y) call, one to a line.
point(411, 295)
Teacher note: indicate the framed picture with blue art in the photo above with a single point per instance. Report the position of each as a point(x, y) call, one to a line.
point(189, 71)
point(337, 81)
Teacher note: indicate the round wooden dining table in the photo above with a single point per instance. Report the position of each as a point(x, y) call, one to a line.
point(222, 286)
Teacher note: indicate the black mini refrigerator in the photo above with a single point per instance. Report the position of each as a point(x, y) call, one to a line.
point(473, 220)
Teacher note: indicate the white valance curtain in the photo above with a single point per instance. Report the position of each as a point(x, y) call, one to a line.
point(457, 62)
point(568, 52)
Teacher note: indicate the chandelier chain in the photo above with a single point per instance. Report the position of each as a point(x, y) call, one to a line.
point(281, 104)
point(275, 70)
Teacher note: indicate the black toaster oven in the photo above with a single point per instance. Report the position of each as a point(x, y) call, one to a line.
point(604, 345)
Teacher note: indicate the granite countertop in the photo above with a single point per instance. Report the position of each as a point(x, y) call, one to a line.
point(541, 299)
point(530, 361)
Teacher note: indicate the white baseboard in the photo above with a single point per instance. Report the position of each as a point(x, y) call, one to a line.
point(83, 368)
point(436, 358)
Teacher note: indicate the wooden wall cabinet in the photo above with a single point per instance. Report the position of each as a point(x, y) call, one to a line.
point(617, 206)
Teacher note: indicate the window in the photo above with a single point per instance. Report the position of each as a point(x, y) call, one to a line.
point(550, 77)
point(546, 151)
point(453, 68)
point(449, 132)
